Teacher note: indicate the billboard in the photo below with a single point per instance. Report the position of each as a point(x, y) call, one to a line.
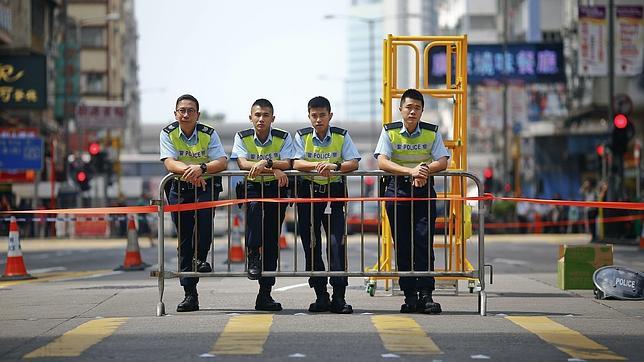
point(23, 81)
point(525, 62)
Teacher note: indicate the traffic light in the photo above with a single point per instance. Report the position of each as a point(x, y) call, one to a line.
point(488, 179)
point(98, 161)
point(81, 174)
point(623, 131)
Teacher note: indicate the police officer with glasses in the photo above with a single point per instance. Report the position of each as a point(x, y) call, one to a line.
point(194, 151)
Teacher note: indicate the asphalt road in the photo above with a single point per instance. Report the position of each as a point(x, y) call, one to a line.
point(79, 308)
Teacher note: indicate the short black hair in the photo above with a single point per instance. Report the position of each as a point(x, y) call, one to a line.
point(263, 103)
point(320, 102)
point(188, 97)
point(413, 94)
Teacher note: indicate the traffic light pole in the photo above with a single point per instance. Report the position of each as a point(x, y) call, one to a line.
point(616, 180)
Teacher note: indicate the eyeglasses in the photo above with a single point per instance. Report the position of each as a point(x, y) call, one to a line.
point(188, 111)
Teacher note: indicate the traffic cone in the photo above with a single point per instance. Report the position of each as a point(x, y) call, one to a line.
point(133, 259)
point(236, 251)
point(642, 238)
point(15, 268)
point(283, 243)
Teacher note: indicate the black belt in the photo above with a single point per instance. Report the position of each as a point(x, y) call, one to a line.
point(187, 185)
point(273, 183)
point(320, 189)
point(405, 180)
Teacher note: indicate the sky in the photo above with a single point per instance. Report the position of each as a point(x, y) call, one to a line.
point(229, 53)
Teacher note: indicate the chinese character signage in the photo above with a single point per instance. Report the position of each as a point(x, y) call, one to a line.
point(629, 42)
point(23, 81)
point(527, 62)
point(20, 149)
point(593, 38)
point(98, 116)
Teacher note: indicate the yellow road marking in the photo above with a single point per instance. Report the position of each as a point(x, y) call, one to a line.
point(244, 334)
point(79, 339)
point(565, 339)
point(404, 335)
point(53, 276)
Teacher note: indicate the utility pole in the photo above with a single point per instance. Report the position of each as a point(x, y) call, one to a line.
point(505, 170)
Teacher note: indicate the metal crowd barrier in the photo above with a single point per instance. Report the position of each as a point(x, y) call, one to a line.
point(451, 188)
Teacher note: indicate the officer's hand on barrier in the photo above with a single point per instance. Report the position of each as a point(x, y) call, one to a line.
point(258, 168)
point(420, 182)
point(282, 179)
point(324, 168)
point(420, 171)
point(191, 173)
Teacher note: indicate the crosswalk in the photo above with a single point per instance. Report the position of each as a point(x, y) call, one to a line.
point(398, 335)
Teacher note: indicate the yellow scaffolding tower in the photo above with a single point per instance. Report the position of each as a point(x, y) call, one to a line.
point(457, 221)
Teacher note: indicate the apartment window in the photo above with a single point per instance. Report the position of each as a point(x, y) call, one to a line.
point(93, 37)
point(94, 83)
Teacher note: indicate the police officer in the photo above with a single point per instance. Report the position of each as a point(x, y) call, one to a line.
point(413, 150)
point(265, 152)
point(192, 150)
point(323, 149)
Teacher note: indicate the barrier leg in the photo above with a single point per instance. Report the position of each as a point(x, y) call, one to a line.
point(160, 256)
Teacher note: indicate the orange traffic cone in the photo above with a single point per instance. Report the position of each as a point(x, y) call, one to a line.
point(15, 268)
point(236, 251)
point(642, 239)
point(133, 259)
point(283, 243)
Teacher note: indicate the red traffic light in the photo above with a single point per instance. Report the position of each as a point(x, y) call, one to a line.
point(620, 121)
point(600, 150)
point(94, 148)
point(81, 176)
point(488, 173)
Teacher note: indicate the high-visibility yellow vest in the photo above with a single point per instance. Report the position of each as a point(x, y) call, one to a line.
point(331, 153)
point(191, 155)
point(257, 153)
point(410, 151)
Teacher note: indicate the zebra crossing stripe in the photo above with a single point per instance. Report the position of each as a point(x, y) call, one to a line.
point(79, 339)
point(567, 340)
point(244, 335)
point(403, 335)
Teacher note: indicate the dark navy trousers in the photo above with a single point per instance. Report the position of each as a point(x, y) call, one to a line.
point(411, 230)
point(194, 227)
point(333, 227)
point(264, 224)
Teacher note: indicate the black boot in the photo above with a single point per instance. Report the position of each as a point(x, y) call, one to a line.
point(204, 267)
point(190, 303)
point(426, 304)
point(322, 301)
point(411, 300)
point(265, 302)
point(254, 264)
point(338, 304)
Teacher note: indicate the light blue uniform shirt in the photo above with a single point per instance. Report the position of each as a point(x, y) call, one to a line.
point(384, 144)
point(349, 150)
point(239, 148)
point(167, 149)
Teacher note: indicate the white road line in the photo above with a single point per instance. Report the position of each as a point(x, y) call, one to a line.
point(47, 270)
point(510, 261)
point(283, 289)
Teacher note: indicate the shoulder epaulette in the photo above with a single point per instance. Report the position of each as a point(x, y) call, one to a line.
point(393, 125)
point(305, 130)
point(246, 132)
point(205, 129)
point(171, 127)
point(429, 126)
point(276, 132)
point(339, 130)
